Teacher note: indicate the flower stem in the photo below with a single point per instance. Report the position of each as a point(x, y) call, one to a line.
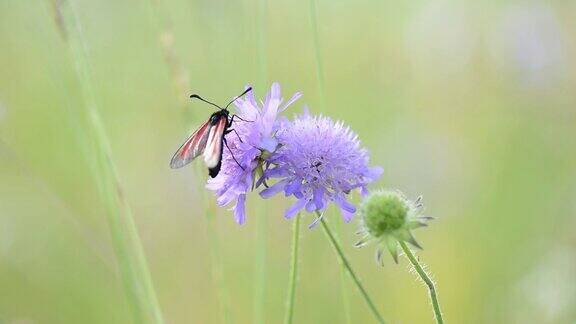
point(424, 276)
point(293, 271)
point(340, 253)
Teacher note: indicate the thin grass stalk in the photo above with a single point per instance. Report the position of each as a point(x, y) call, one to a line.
point(217, 266)
point(317, 53)
point(346, 263)
point(180, 77)
point(181, 85)
point(261, 43)
point(293, 271)
point(323, 103)
point(127, 246)
point(215, 249)
point(260, 273)
point(426, 279)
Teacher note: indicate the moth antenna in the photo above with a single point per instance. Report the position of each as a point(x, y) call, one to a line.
point(195, 96)
point(243, 93)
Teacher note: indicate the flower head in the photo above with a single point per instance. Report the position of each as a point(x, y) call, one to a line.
point(388, 217)
point(254, 137)
point(319, 161)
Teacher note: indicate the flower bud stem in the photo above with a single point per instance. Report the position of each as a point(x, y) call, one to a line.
point(293, 272)
point(424, 276)
point(340, 253)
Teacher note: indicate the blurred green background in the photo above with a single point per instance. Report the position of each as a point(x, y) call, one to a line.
point(470, 104)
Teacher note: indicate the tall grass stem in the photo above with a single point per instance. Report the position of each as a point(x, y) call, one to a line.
point(323, 105)
point(293, 271)
point(217, 267)
point(125, 239)
point(317, 53)
point(260, 272)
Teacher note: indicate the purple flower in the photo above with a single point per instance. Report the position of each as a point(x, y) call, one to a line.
point(256, 136)
point(319, 161)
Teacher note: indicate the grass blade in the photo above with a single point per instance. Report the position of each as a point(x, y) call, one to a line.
point(126, 241)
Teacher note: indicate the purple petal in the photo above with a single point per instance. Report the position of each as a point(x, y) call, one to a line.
point(271, 191)
point(275, 173)
point(346, 215)
point(374, 173)
point(269, 144)
point(292, 187)
point(310, 206)
point(275, 91)
point(298, 194)
point(344, 204)
point(240, 209)
point(316, 221)
point(295, 97)
point(294, 209)
point(226, 197)
point(364, 191)
point(318, 198)
point(260, 181)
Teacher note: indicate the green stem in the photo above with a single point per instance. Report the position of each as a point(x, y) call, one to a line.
point(346, 263)
point(260, 271)
point(293, 271)
point(126, 241)
point(424, 276)
point(317, 53)
point(217, 266)
point(261, 43)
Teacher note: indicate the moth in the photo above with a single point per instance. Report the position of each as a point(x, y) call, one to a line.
point(209, 139)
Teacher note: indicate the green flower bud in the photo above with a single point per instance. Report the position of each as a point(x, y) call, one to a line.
point(388, 217)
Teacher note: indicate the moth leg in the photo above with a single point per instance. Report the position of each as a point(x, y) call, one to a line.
point(235, 132)
point(226, 143)
point(242, 119)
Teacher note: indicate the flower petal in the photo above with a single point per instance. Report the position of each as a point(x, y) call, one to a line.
point(374, 173)
point(293, 187)
point(240, 209)
point(347, 216)
point(344, 204)
point(316, 221)
point(271, 191)
point(295, 97)
point(294, 209)
point(318, 198)
point(310, 206)
point(269, 144)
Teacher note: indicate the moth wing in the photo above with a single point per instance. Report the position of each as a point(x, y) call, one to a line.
point(192, 147)
point(213, 151)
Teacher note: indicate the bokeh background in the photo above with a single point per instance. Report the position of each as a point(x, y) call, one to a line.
point(470, 104)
